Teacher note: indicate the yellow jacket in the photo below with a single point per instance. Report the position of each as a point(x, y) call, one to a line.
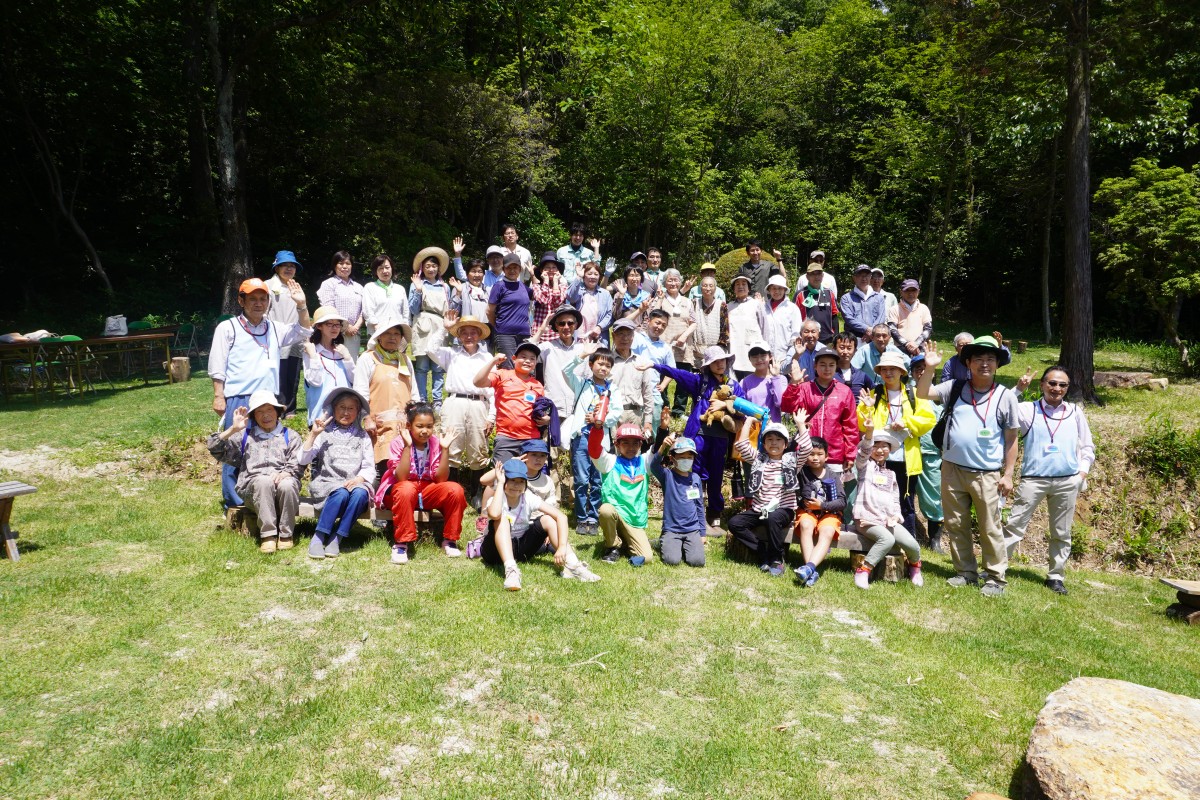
point(917, 420)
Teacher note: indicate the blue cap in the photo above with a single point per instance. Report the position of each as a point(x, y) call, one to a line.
point(536, 446)
point(683, 445)
point(286, 257)
point(919, 358)
point(515, 468)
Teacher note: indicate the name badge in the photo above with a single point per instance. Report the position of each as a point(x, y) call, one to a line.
point(693, 493)
point(530, 397)
point(675, 312)
point(1052, 448)
point(879, 480)
point(779, 480)
point(984, 433)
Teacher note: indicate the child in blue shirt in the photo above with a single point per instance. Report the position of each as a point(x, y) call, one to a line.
point(683, 502)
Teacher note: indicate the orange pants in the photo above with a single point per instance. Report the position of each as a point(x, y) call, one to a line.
point(446, 497)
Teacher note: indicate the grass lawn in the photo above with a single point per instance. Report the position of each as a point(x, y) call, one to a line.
point(149, 653)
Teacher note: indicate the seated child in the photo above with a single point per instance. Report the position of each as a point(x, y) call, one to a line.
point(343, 472)
point(877, 508)
point(683, 502)
point(535, 453)
point(591, 386)
point(624, 492)
point(772, 490)
point(267, 456)
point(416, 480)
point(821, 502)
point(522, 524)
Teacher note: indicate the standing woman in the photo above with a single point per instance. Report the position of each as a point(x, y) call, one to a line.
point(1058, 456)
point(383, 297)
point(593, 303)
point(427, 306)
point(549, 291)
point(630, 304)
point(747, 321)
point(508, 309)
point(342, 292)
point(710, 321)
point(384, 375)
point(282, 312)
point(680, 325)
point(470, 299)
point(328, 364)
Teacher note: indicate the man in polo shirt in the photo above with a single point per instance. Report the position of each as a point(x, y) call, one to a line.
point(509, 236)
point(978, 457)
point(910, 322)
point(862, 307)
point(867, 356)
point(757, 270)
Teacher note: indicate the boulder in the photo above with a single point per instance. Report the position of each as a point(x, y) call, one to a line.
point(1100, 739)
point(1128, 380)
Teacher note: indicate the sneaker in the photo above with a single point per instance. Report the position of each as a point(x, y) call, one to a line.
point(451, 549)
point(333, 546)
point(812, 579)
point(586, 528)
point(637, 561)
point(764, 567)
point(959, 581)
point(862, 578)
point(914, 575)
point(775, 569)
point(1056, 586)
point(399, 554)
point(268, 545)
point(475, 547)
point(285, 543)
point(316, 548)
point(512, 578)
point(481, 523)
point(580, 572)
point(611, 556)
point(992, 589)
point(544, 550)
point(802, 572)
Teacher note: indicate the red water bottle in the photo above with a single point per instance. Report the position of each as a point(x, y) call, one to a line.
point(600, 412)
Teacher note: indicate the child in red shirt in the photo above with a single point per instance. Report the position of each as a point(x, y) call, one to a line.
point(516, 390)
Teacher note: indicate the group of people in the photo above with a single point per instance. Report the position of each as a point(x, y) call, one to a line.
point(522, 365)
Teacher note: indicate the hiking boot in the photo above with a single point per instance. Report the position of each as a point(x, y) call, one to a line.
point(611, 556)
point(450, 548)
point(580, 572)
point(399, 554)
point(959, 581)
point(992, 589)
point(862, 577)
point(316, 548)
point(333, 546)
point(512, 578)
point(1056, 586)
point(285, 543)
point(269, 544)
point(914, 574)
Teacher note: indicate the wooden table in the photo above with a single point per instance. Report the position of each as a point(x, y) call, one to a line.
point(8, 491)
point(39, 355)
point(1188, 595)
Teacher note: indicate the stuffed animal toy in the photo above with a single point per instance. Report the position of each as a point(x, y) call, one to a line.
point(720, 409)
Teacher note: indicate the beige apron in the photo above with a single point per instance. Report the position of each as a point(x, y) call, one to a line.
point(391, 389)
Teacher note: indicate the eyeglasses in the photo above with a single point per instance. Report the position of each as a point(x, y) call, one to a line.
point(570, 323)
point(1058, 384)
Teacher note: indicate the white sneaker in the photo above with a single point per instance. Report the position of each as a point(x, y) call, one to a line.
point(451, 549)
point(399, 554)
point(512, 579)
point(580, 572)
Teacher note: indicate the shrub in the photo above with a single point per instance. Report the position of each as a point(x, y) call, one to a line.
point(1167, 452)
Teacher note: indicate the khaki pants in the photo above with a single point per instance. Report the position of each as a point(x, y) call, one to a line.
point(1060, 494)
point(275, 506)
point(963, 488)
point(469, 418)
point(633, 538)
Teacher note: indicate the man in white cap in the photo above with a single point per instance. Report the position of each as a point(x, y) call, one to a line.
point(910, 322)
point(877, 276)
point(693, 286)
point(783, 322)
point(818, 303)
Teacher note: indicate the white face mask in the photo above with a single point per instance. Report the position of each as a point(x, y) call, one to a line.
point(684, 464)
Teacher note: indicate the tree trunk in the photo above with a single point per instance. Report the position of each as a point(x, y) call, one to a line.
point(1171, 320)
point(1046, 225)
point(203, 200)
point(1077, 329)
point(939, 252)
point(235, 250)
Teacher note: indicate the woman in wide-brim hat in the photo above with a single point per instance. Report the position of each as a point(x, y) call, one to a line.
point(894, 408)
point(712, 441)
point(385, 376)
point(549, 291)
point(328, 363)
point(427, 305)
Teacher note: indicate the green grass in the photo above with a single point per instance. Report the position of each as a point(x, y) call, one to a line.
point(149, 653)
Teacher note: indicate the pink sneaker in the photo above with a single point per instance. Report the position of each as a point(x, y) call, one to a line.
point(914, 574)
point(862, 577)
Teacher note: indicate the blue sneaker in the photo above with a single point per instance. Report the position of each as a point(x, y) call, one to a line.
point(812, 578)
point(775, 569)
point(637, 561)
point(802, 572)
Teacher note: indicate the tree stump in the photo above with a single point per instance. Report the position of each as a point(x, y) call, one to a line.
point(1022, 346)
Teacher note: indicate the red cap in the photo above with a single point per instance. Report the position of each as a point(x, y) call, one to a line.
point(628, 431)
point(253, 285)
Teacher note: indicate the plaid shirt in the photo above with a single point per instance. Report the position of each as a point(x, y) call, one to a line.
point(345, 296)
point(545, 300)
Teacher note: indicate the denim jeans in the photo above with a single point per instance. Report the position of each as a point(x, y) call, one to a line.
point(341, 508)
point(229, 473)
point(587, 482)
point(422, 366)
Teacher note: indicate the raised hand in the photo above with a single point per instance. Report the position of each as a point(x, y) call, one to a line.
point(864, 397)
point(459, 246)
point(451, 316)
point(297, 293)
point(796, 374)
point(999, 337)
point(595, 245)
point(498, 359)
point(868, 425)
point(454, 284)
point(933, 356)
point(800, 418)
point(1026, 379)
point(669, 442)
point(241, 417)
point(687, 285)
point(320, 423)
point(778, 256)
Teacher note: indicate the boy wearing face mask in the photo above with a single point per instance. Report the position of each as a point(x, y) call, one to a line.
point(683, 502)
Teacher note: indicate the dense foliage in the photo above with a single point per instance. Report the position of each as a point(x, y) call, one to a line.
point(161, 146)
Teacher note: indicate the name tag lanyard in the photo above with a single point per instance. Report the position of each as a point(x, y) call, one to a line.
point(975, 406)
point(1046, 419)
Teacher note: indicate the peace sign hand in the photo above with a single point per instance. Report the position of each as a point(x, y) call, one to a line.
point(1026, 379)
point(320, 423)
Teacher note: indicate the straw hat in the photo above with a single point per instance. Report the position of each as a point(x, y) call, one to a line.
point(470, 322)
point(327, 314)
point(442, 257)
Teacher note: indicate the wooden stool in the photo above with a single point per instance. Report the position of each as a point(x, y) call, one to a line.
point(1187, 593)
point(8, 491)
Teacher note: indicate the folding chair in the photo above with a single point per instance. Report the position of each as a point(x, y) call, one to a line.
point(185, 342)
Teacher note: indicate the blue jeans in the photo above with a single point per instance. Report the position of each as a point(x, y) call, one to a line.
point(229, 473)
point(422, 366)
point(587, 482)
point(341, 508)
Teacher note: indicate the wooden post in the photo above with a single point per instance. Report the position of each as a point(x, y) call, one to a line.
point(1022, 346)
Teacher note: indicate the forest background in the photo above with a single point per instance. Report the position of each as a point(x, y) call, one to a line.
point(158, 150)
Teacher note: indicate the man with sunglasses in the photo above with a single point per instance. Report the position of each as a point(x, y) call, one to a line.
point(1058, 455)
point(556, 354)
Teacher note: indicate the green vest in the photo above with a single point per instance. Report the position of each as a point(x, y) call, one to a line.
point(630, 496)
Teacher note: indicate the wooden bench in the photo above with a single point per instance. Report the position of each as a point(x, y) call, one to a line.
point(9, 490)
point(1187, 593)
point(891, 569)
point(246, 521)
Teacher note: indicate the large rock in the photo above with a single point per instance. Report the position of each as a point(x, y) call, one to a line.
point(1097, 739)
point(1128, 380)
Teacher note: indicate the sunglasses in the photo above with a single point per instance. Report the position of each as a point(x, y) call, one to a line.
point(1058, 384)
point(565, 323)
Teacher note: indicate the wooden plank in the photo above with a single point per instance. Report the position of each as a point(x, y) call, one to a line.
point(1186, 587)
point(15, 489)
point(10, 538)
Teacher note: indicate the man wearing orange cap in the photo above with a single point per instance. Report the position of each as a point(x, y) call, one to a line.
point(244, 358)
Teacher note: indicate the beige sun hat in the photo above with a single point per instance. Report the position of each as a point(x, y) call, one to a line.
point(890, 359)
point(327, 314)
point(470, 322)
point(443, 258)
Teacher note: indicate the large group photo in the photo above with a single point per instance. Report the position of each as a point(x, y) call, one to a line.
point(545, 433)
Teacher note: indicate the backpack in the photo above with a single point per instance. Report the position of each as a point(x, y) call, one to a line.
point(938, 435)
